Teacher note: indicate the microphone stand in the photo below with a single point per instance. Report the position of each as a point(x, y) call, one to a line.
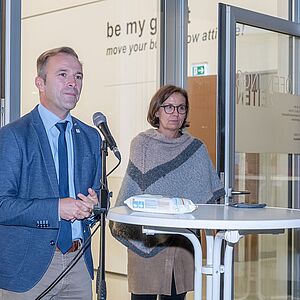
point(100, 211)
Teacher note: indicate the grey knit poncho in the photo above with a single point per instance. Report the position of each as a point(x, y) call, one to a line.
point(158, 165)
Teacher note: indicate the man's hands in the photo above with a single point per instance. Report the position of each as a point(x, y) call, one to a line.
point(72, 209)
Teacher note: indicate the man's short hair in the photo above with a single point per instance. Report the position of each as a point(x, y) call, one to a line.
point(43, 58)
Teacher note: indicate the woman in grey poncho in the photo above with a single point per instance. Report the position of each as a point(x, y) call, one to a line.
point(172, 163)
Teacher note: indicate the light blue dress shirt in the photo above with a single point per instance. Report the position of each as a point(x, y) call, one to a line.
point(49, 120)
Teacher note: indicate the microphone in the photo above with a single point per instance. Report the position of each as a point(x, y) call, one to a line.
point(100, 121)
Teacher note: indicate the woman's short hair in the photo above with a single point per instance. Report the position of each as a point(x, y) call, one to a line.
point(43, 58)
point(160, 97)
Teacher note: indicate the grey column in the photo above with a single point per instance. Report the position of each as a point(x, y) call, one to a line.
point(173, 42)
point(10, 53)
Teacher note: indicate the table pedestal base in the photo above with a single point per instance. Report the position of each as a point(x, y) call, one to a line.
point(213, 267)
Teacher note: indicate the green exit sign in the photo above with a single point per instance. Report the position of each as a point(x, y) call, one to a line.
point(199, 70)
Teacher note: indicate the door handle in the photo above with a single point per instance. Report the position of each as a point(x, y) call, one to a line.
point(239, 193)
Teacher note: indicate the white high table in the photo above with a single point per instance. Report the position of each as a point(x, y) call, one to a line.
point(231, 223)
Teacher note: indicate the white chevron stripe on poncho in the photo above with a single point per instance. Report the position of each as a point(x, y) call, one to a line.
point(178, 167)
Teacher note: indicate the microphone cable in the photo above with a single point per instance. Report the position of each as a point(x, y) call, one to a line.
point(80, 253)
point(69, 266)
point(119, 162)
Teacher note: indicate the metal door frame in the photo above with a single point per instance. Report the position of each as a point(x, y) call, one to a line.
point(10, 58)
point(229, 16)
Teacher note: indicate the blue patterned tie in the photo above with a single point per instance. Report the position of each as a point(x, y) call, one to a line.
point(64, 242)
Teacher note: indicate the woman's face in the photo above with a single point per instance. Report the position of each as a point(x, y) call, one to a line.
point(171, 115)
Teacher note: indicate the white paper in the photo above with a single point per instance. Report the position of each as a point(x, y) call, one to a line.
point(160, 204)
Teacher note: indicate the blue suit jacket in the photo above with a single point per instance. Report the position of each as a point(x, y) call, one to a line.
point(29, 197)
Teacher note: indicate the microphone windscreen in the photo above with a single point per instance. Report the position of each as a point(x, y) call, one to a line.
point(99, 118)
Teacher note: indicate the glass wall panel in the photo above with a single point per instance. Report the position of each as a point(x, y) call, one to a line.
point(202, 59)
point(117, 43)
point(267, 141)
point(264, 264)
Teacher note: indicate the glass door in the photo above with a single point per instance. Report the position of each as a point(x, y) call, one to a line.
point(259, 134)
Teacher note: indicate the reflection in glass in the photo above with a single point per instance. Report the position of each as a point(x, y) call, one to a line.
point(267, 146)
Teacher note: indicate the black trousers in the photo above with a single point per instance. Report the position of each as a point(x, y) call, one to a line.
point(174, 295)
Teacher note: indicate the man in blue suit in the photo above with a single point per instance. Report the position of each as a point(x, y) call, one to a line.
point(42, 229)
